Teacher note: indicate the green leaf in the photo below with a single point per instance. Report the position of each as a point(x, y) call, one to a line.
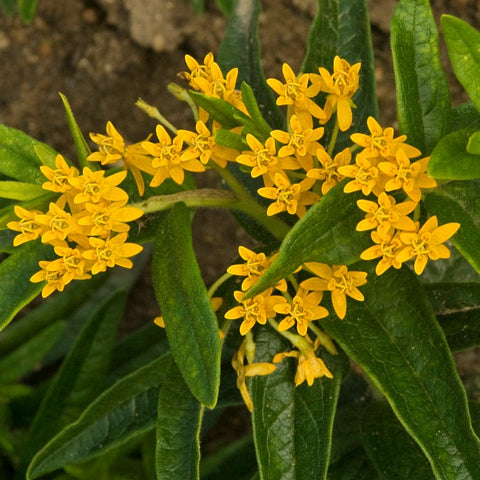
point(8, 5)
point(326, 233)
point(423, 97)
point(198, 5)
point(240, 48)
point(18, 157)
point(392, 451)
point(405, 354)
point(225, 113)
point(459, 202)
point(178, 427)
point(342, 27)
point(473, 145)
point(26, 357)
point(190, 321)
point(229, 139)
point(27, 9)
point(293, 428)
point(123, 412)
point(81, 145)
point(465, 115)
point(259, 127)
point(20, 190)
point(463, 46)
point(236, 461)
point(15, 272)
point(450, 159)
point(457, 307)
point(81, 376)
point(53, 308)
point(46, 155)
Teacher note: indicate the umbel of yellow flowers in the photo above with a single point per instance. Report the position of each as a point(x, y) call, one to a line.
point(87, 224)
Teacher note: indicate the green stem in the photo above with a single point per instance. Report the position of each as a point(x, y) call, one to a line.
point(333, 140)
point(275, 226)
point(323, 338)
point(217, 283)
point(153, 112)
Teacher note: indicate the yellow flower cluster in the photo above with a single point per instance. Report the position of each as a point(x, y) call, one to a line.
point(86, 225)
point(299, 311)
point(385, 164)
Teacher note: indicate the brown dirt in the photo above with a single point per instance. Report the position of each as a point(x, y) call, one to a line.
point(104, 54)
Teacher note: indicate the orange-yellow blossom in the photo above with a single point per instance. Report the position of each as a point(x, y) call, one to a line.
point(339, 281)
point(386, 211)
point(289, 198)
point(58, 179)
point(253, 310)
point(303, 309)
point(427, 243)
point(380, 142)
point(28, 226)
point(167, 158)
point(340, 86)
point(410, 177)
point(328, 172)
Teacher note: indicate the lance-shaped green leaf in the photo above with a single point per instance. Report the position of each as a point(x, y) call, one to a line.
point(395, 338)
point(473, 145)
point(81, 377)
point(190, 321)
point(392, 451)
point(225, 113)
point(353, 466)
point(123, 412)
point(465, 115)
point(240, 48)
point(326, 233)
point(292, 425)
point(15, 272)
point(423, 97)
point(463, 46)
point(27, 356)
point(450, 159)
point(177, 449)
point(458, 202)
point(342, 27)
point(18, 157)
point(20, 190)
point(81, 145)
point(457, 307)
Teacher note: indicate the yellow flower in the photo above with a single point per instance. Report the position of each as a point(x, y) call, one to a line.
point(94, 187)
point(264, 160)
point(112, 149)
point(301, 142)
point(288, 197)
point(167, 161)
point(410, 177)
point(385, 211)
point(256, 264)
point(365, 176)
point(297, 92)
point(339, 281)
point(250, 370)
point(309, 366)
point(328, 172)
point(58, 178)
point(28, 226)
point(387, 246)
point(110, 252)
point(340, 87)
point(202, 146)
point(197, 70)
point(303, 309)
point(427, 243)
point(57, 224)
point(380, 142)
point(59, 273)
point(103, 219)
point(253, 310)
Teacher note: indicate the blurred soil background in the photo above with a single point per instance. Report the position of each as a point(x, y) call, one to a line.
point(105, 54)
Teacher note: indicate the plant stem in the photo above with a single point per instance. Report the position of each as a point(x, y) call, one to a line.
point(333, 140)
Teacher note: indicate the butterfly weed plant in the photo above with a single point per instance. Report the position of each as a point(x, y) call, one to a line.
point(336, 331)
